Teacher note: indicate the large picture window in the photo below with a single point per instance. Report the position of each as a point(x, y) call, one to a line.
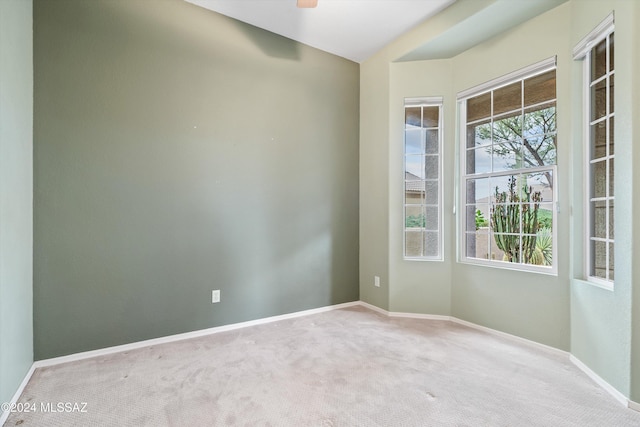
point(422, 179)
point(508, 169)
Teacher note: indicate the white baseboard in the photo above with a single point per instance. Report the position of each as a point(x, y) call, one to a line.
point(511, 337)
point(634, 405)
point(5, 414)
point(373, 307)
point(602, 383)
point(186, 335)
point(419, 316)
point(402, 314)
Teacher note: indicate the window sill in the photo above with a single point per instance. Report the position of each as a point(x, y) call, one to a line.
point(607, 286)
point(423, 259)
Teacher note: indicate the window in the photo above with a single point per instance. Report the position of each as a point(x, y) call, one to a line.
point(598, 53)
point(508, 169)
point(422, 179)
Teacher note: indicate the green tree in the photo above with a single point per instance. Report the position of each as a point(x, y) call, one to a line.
point(415, 221)
point(529, 140)
point(480, 219)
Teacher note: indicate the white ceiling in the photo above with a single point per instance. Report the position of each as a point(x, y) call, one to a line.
point(353, 29)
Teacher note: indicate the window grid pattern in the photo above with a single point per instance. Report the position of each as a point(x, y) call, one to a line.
point(601, 156)
point(509, 164)
point(422, 182)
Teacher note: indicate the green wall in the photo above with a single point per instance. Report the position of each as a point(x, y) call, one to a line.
point(178, 151)
point(601, 322)
point(530, 305)
point(383, 85)
point(563, 311)
point(420, 286)
point(16, 189)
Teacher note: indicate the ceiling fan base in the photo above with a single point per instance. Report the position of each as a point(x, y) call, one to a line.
point(307, 4)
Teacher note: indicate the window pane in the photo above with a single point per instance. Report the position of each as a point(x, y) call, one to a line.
point(479, 160)
point(539, 151)
point(507, 98)
point(505, 218)
point(507, 128)
point(479, 107)
point(507, 156)
point(599, 100)
point(611, 176)
point(431, 192)
point(545, 216)
point(478, 134)
point(611, 137)
point(431, 167)
point(502, 188)
point(599, 179)
point(414, 216)
point(413, 243)
point(431, 215)
point(611, 93)
point(412, 117)
point(413, 141)
point(599, 140)
point(599, 257)
point(543, 253)
point(470, 216)
point(477, 244)
point(414, 167)
point(505, 247)
point(611, 261)
point(414, 192)
point(599, 215)
point(482, 215)
point(611, 50)
point(542, 183)
point(432, 145)
point(611, 219)
point(599, 60)
point(431, 244)
point(540, 121)
point(540, 88)
point(477, 190)
point(430, 117)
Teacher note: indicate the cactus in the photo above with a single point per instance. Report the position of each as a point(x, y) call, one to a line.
point(511, 212)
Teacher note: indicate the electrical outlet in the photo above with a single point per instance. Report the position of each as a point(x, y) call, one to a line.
point(215, 296)
point(376, 281)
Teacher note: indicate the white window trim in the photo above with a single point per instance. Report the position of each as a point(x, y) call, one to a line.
point(595, 36)
point(429, 101)
point(581, 52)
point(507, 79)
point(529, 71)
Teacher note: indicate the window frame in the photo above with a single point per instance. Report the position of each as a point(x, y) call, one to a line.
point(582, 51)
point(432, 101)
point(520, 75)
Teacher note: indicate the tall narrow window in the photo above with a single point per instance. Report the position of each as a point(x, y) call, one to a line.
point(422, 179)
point(599, 79)
point(508, 168)
point(597, 51)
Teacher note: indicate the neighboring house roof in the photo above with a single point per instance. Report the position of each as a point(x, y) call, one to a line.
point(413, 183)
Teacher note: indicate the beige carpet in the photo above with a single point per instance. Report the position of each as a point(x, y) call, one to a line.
point(349, 367)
